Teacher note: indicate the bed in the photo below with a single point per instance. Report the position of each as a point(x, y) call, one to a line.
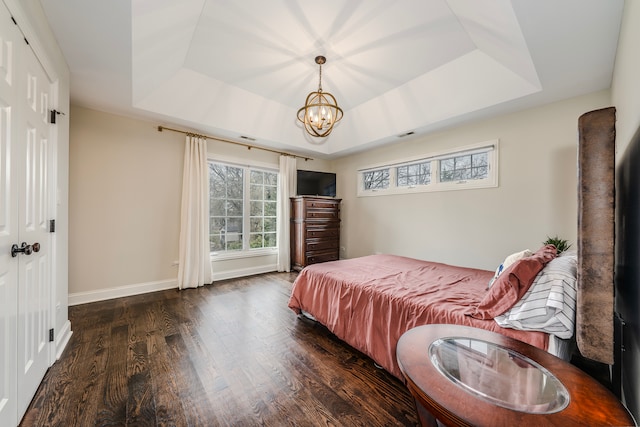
point(369, 302)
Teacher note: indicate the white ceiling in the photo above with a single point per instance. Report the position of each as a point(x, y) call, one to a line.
point(244, 67)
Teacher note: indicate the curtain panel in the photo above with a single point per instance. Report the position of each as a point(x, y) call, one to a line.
point(286, 189)
point(194, 267)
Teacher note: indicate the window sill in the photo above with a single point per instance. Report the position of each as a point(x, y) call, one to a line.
point(217, 256)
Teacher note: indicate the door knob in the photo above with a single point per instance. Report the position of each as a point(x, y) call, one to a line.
point(24, 248)
point(36, 247)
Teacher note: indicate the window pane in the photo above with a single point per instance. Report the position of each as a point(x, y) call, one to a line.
point(414, 174)
point(256, 225)
point(217, 180)
point(256, 208)
point(216, 243)
point(235, 178)
point(480, 159)
point(225, 189)
point(270, 193)
point(269, 224)
point(271, 179)
point(376, 180)
point(269, 208)
point(269, 240)
point(255, 241)
point(480, 172)
point(234, 225)
point(216, 225)
point(465, 167)
point(234, 207)
point(235, 245)
point(257, 177)
point(256, 192)
point(217, 207)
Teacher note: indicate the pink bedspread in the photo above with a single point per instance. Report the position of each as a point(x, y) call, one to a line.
point(370, 302)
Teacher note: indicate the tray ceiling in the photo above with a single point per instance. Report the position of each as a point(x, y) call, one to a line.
point(243, 68)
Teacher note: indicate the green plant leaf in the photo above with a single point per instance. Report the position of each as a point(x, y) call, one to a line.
point(560, 244)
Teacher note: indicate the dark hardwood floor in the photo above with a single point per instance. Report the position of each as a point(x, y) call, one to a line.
point(228, 354)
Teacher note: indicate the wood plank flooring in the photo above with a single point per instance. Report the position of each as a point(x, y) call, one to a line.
point(228, 354)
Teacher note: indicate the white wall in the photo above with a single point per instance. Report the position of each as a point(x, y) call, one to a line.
point(536, 197)
point(625, 95)
point(625, 88)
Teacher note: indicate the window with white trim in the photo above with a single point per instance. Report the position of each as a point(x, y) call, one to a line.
point(467, 167)
point(242, 206)
point(376, 179)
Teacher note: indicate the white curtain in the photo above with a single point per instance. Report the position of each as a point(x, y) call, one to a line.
point(286, 189)
point(194, 268)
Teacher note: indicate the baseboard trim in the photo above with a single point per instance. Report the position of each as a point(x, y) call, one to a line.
point(121, 291)
point(243, 272)
point(63, 338)
point(162, 285)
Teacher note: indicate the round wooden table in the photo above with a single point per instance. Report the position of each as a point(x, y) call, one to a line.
point(464, 376)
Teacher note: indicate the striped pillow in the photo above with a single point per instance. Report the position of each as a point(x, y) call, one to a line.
point(549, 305)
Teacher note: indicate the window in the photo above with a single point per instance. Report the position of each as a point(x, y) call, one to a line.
point(414, 174)
point(468, 167)
point(262, 217)
point(376, 179)
point(242, 207)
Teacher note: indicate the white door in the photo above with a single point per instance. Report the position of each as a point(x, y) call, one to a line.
point(34, 266)
point(25, 273)
point(9, 39)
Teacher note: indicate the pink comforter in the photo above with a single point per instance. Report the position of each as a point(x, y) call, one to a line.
point(370, 302)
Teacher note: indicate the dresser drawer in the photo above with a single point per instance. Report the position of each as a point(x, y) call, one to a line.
point(322, 214)
point(321, 244)
point(321, 204)
point(322, 232)
point(316, 257)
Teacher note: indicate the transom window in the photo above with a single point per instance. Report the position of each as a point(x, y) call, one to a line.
point(414, 174)
point(468, 167)
point(242, 207)
point(376, 179)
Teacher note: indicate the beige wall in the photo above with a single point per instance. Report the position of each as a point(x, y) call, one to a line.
point(536, 196)
point(125, 181)
point(125, 192)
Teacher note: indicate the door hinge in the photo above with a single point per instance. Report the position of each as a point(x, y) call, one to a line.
point(51, 335)
point(16, 24)
point(53, 114)
point(52, 226)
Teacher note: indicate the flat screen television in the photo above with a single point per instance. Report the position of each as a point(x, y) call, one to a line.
point(312, 183)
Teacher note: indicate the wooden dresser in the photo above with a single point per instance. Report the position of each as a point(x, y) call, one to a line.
point(315, 230)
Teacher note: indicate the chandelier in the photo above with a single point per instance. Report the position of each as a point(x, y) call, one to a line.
point(320, 111)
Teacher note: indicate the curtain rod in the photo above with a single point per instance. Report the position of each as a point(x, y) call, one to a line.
point(249, 146)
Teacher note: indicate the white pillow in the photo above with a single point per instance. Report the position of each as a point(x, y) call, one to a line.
point(549, 304)
point(507, 262)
